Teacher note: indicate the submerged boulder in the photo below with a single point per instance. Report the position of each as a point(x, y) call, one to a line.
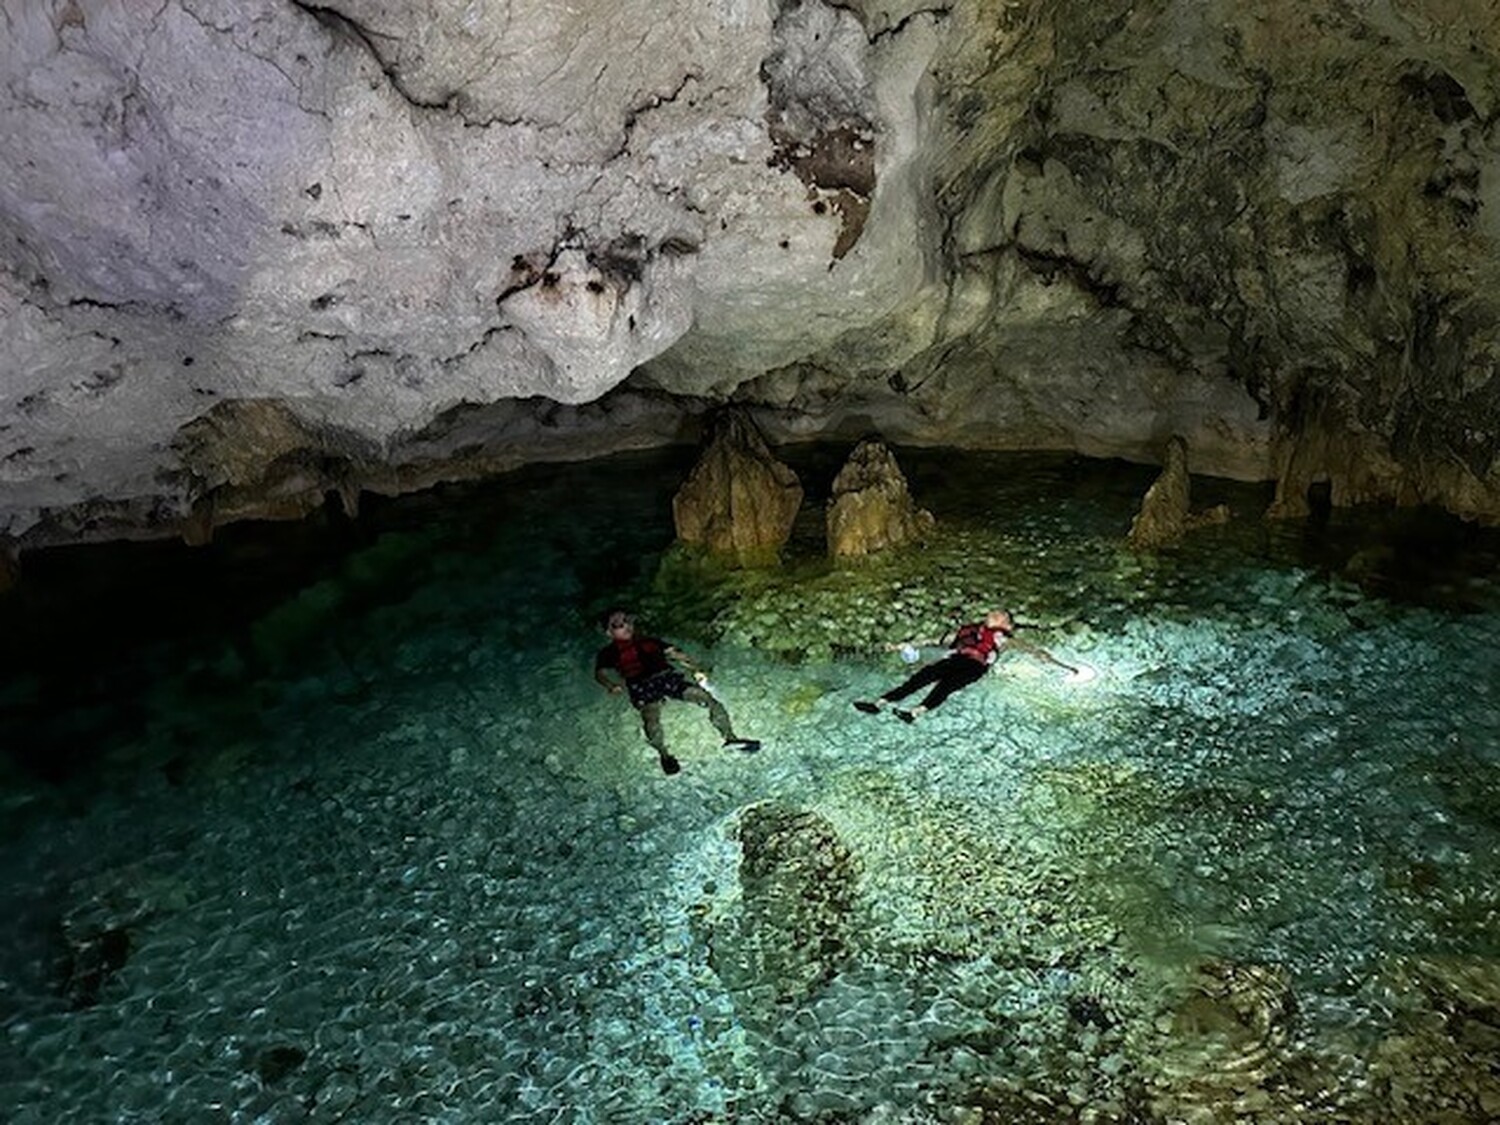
point(1166, 511)
point(739, 499)
point(1226, 1049)
point(798, 888)
point(101, 926)
point(871, 508)
point(1448, 1018)
point(275, 1061)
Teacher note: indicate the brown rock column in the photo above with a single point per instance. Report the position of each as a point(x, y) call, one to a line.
point(1166, 511)
point(738, 499)
point(871, 508)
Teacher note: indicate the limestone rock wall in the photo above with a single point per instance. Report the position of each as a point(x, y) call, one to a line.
point(1289, 200)
point(379, 213)
point(1268, 227)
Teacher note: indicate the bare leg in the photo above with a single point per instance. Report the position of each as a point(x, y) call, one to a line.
point(651, 723)
point(718, 714)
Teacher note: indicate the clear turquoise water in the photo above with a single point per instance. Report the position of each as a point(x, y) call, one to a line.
point(338, 826)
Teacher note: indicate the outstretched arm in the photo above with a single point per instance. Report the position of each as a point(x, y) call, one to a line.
point(676, 654)
point(1037, 651)
point(916, 642)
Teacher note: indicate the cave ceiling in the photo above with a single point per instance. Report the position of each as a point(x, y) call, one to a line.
point(254, 251)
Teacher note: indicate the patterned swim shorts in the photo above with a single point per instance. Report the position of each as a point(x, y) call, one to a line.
point(653, 689)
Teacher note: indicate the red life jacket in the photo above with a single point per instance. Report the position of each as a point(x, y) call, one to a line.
point(978, 642)
point(640, 657)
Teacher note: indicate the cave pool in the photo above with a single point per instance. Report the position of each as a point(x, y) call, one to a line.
point(330, 822)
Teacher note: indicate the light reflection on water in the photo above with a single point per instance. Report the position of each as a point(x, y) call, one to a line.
point(379, 849)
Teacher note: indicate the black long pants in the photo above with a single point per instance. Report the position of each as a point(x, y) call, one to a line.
point(949, 674)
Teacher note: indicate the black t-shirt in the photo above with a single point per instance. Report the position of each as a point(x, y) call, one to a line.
point(636, 659)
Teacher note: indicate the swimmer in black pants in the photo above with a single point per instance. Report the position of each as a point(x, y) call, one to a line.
point(976, 646)
point(645, 664)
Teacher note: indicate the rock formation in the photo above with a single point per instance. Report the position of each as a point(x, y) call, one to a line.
point(1228, 1054)
point(798, 884)
point(254, 457)
point(1166, 510)
point(102, 924)
point(1417, 1072)
point(1046, 224)
point(738, 500)
point(871, 508)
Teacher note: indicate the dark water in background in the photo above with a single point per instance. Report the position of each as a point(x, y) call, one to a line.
point(329, 822)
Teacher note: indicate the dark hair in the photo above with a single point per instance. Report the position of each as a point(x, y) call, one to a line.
point(613, 612)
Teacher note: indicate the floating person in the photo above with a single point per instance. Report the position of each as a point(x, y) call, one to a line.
point(975, 647)
point(645, 664)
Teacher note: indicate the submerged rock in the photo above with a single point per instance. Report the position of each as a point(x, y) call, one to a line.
point(99, 930)
point(1225, 1048)
point(1447, 1028)
point(798, 885)
point(739, 499)
point(871, 508)
point(275, 1062)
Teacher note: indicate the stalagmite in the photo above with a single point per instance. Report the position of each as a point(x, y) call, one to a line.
point(739, 499)
point(871, 508)
point(1166, 511)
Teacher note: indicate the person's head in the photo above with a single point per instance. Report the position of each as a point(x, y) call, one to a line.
point(619, 624)
point(1000, 619)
